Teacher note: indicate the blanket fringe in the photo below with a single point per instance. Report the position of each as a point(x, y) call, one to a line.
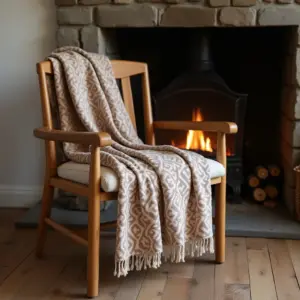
point(137, 262)
point(199, 247)
point(175, 254)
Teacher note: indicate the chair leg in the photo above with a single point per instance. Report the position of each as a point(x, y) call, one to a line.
point(93, 248)
point(220, 221)
point(45, 213)
point(94, 225)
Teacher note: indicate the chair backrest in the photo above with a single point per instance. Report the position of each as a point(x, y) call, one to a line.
point(123, 70)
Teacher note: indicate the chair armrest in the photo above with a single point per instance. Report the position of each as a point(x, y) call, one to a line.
point(101, 139)
point(224, 127)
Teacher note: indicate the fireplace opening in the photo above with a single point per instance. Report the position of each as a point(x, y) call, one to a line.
point(199, 94)
point(216, 74)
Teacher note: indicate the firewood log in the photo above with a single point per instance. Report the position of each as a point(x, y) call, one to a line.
point(274, 170)
point(262, 172)
point(271, 191)
point(259, 195)
point(253, 181)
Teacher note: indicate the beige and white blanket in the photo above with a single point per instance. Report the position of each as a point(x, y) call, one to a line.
point(164, 199)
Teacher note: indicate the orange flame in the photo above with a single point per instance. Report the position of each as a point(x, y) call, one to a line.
point(195, 139)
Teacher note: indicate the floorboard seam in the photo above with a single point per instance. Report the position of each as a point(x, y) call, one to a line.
point(272, 269)
point(17, 266)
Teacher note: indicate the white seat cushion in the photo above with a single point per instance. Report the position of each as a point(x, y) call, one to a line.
point(109, 180)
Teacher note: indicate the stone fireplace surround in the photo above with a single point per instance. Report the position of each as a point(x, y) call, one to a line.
point(88, 23)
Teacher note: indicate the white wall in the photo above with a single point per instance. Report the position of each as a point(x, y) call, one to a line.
point(27, 35)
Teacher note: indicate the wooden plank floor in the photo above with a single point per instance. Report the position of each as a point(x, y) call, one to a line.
point(257, 269)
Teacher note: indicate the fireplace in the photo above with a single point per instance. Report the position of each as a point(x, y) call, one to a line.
point(254, 65)
point(201, 94)
point(229, 74)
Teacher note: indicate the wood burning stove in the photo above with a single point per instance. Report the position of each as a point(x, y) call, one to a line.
point(201, 94)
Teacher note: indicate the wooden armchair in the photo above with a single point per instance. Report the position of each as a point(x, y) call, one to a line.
point(90, 185)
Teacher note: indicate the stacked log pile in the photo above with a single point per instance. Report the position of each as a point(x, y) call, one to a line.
point(265, 185)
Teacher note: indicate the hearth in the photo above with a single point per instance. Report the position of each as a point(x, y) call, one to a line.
point(201, 94)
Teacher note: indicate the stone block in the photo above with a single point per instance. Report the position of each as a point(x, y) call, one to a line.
point(278, 15)
point(111, 41)
point(297, 105)
point(93, 2)
point(238, 16)
point(298, 67)
point(219, 3)
point(290, 154)
point(67, 36)
point(153, 1)
point(99, 40)
point(284, 1)
point(174, 1)
point(186, 15)
point(290, 103)
point(243, 2)
point(75, 15)
point(123, 1)
point(93, 39)
point(291, 107)
point(65, 2)
point(133, 15)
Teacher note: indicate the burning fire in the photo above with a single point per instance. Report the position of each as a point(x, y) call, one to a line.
point(195, 139)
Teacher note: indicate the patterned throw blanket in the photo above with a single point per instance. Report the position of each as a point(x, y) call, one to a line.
point(164, 198)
